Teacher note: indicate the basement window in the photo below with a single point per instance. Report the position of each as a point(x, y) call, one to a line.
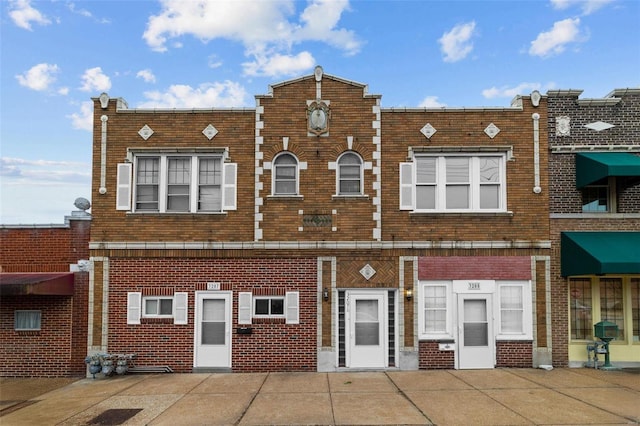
point(27, 320)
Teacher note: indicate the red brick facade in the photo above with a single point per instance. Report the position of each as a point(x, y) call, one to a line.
point(58, 349)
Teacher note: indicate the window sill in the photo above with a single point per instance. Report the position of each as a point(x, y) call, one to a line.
point(143, 213)
point(350, 196)
point(285, 197)
point(268, 320)
point(156, 320)
point(602, 215)
point(463, 214)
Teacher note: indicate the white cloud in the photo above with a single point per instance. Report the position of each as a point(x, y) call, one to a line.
point(44, 170)
point(94, 79)
point(83, 120)
point(431, 102)
point(510, 92)
point(23, 14)
point(209, 95)
point(39, 77)
point(587, 6)
point(146, 75)
point(214, 62)
point(264, 28)
point(64, 91)
point(277, 65)
point(456, 44)
point(554, 41)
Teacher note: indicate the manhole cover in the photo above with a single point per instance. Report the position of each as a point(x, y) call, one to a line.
point(115, 416)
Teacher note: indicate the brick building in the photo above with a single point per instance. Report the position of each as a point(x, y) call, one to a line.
point(44, 286)
point(319, 231)
point(595, 222)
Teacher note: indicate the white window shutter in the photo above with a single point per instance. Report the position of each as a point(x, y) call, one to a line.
point(406, 186)
point(230, 191)
point(244, 307)
point(292, 305)
point(134, 305)
point(123, 188)
point(180, 303)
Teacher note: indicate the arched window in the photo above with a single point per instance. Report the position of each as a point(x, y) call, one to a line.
point(285, 175)
point(350, 174)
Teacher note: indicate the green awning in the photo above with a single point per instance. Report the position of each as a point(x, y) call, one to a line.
point(597, 253)
point(593, 166)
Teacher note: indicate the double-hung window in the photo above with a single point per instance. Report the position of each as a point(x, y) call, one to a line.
point(453, 183)
point(268, 307)
point(285, 307)
point(176, 183)
point(151, 307)
point(514, 300)
point(157, 307)
point(285, 175)
point(350, 174)
point(435, 310)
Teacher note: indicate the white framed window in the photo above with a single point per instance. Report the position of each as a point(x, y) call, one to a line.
point(349, 174)
point(285, 174)
point(175, 307)
point(514, 301)
point(287, 307)
point(435, 314)
point(27, 320)
point(454, 183)
point(157, 307)
point(268, 306)
point(177, 183)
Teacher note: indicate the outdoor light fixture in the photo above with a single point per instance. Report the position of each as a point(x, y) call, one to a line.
point(325, 294)
point(408, 293)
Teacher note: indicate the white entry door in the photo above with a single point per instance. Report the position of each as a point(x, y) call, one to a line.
point(213, 330)
point(366, 329)
point(476, 343)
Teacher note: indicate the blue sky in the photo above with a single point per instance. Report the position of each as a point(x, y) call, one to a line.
point(57, 55)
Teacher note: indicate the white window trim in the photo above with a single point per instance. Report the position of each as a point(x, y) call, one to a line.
point(256, 298)
point(291, 307)
point(527, 311)
point(408, 183)
point(448, 334)
point(273, 175)
point(146, 299)
point(338, 176)
point(136, 307)
point(127, 185)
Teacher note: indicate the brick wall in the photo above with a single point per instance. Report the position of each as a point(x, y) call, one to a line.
point(59, 348)
point(432, 358)
point(515, 354)
point(273, 345)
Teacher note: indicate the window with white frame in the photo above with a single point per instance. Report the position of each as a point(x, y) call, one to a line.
point(176, 183)
point(256, 307)
point(514, 300)
point(27, 320)
point(140, 307)
point(285, 174)
point(155, 306)
point(268, 307)
point(454, 183)
point(434, 310)
point(350, 175)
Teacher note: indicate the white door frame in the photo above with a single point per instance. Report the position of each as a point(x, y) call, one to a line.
point(356, 357)
point(221, 356)
point(483, 357)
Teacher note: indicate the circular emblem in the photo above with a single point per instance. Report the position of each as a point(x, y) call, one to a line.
point(318, 118)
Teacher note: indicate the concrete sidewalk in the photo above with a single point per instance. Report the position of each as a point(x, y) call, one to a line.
point(451, 397)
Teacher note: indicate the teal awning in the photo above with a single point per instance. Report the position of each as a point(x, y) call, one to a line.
point(596, 253)
point(593, 166)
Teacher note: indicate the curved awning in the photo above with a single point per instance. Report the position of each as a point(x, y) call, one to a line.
point(594, 166)
point(36, 283)
point(598, 253)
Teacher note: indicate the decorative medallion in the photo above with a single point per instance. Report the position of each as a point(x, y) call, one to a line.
point(210, 131)
point(535, 98)
point(145, 132)
point(367, 271)
point(599, 126)
point(104, 100)
point(563, 126)
point(318, 115)
point(492, 130)
point(428, 130)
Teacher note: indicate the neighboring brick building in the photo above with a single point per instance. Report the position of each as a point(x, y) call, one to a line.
point(319, 231)
point(595, 222)
point(43, 313)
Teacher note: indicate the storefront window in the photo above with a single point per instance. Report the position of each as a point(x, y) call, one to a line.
point(580, 305)
point(611, 303)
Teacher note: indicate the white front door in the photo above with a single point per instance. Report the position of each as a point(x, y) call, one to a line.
point(476, 343)
point(366, 329)
point(213, 330)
